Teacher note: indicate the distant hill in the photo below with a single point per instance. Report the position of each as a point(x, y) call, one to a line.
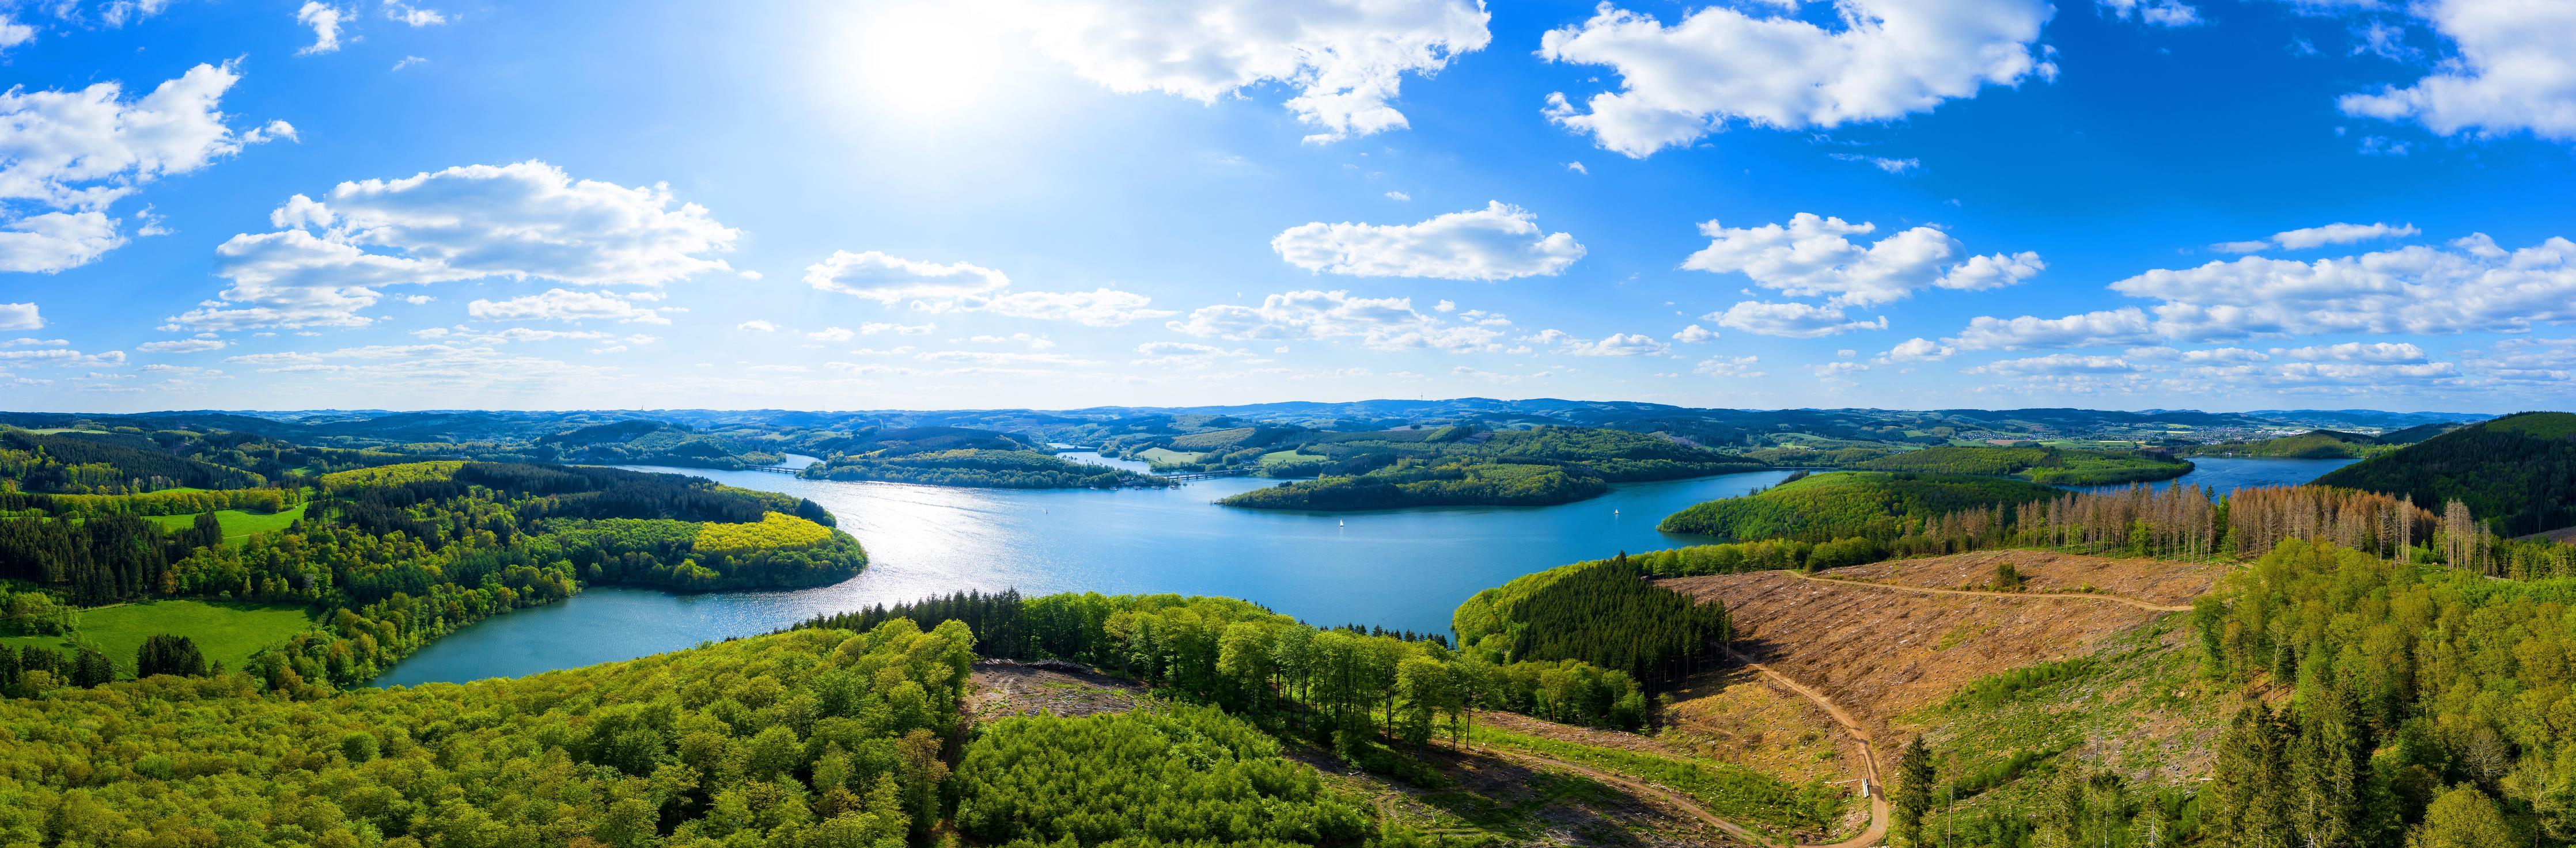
point(2313, 444)
point(2416, 433)
point(2518, 472)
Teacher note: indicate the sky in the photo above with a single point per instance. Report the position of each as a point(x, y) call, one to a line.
point(2124, 204)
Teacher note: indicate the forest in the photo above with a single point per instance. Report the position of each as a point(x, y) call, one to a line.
point(1825, 507)
point(991, 469)
point(2055, 466)
point(2517, 472)
point(1456, 466)
point(2314, 444)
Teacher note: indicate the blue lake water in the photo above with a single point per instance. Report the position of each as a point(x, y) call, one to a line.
point(1404, 569)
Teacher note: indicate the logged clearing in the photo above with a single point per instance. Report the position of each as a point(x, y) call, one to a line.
point(2155, 581)
point(1735, 716)
point(1504, 798)
point(1883, 653)
point(1003, 688)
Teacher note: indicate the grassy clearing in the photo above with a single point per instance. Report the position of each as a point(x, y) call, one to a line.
point(2137, 707)
point(1167, 456)
point(238, 526)
point(227, 633)
point(1731, 792)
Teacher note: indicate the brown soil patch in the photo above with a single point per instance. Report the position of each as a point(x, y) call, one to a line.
point(1002, 689)
point(1482, 795)
point(1736, 716)
point(1882, 653)
point(2155, 581)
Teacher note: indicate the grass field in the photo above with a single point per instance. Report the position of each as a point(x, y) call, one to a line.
point(1167, 456)
point(238, 525)
point(227, 633)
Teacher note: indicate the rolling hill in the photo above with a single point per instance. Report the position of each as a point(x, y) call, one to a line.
point(2517, 472)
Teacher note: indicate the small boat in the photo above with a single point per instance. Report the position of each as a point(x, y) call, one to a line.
point(1340, 523)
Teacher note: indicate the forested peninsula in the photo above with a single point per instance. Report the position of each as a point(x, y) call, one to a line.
point(1455, 466)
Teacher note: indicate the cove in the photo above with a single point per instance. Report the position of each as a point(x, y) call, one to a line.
point(1400, 569)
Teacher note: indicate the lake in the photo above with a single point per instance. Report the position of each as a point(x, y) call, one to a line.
point(1400, 569)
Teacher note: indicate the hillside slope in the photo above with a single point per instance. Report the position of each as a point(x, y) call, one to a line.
point(2518, 472)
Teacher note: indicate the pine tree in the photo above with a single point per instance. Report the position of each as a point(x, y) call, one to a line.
point(2246, 793)
point(92, 669)
point(1913, 795)
point(2329, 771)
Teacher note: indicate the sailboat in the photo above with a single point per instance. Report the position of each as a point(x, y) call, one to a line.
point(1340, 523)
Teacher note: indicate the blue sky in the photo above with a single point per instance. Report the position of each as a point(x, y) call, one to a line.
point(1893, 203)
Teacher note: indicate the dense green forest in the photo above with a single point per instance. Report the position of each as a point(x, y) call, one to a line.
point(2517, 473)
point(2314, 444)
point(1824, 507)
point(1453, 466)
point(1604, 613)
point(2427, 704)
point(2056, 466)
point(817, 737)
point(992, 469)
point(1338, 684)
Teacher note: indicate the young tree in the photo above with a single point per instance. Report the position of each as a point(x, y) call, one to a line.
point(1913, 794)
point(2246, 794)
point(2462, 818)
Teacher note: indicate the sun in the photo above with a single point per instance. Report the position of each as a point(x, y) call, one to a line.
point(922, 62)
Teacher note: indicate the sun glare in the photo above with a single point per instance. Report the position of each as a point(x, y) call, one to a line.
point(920, 62)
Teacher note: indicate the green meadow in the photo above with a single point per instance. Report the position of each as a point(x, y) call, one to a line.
point(227, 633)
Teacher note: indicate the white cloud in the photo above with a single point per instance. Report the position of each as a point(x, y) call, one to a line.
point(2302, 239)
point(13, 33)
point(875, 327)
point(1577, 167)
point(1615, 344)
point(962, 287)
point(64, 357)
point(1725, 366)
point(1344, 58)
point(832, 334)
point(1382, 324)
point(1893, 166)
point(890, 280)
point(20, 316)
point(2380, 352)
point(2310, 237)
point(1498, 242)
point(181, 346)
point(53, 241)
point(523, 221)
point(1097, 308)
point(565, 305)
point(1792, 320)
point(414, 16)
point(2126, 325)
point(1811, 256)
point(1889, 58)
point(1694, 334)
point(1184, 355)
point(2470, 285)
point(405, 62)
point(2055, 363)
point(756, 326)
point(524, 334)
point(2163, 13)
point(1398, 196)
point(77, 152)
point(2514, 70)
point(324, 18)
point(1916, 350)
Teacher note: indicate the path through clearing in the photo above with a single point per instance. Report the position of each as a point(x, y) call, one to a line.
point(1868, 756)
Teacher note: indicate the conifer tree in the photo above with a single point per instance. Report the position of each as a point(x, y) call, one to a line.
point(1913, 795)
